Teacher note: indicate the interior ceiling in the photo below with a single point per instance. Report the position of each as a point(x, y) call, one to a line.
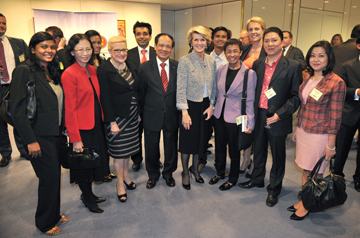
point(173, 5)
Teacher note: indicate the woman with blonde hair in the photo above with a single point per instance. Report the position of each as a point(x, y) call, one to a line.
point(255, 27)
point(196, 91)
point(119, 87)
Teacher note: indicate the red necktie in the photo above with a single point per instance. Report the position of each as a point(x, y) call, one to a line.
point(144, 56)
point(5, 73)
point(164, 78)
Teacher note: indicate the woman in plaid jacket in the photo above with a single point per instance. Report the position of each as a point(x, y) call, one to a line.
point(322, 96)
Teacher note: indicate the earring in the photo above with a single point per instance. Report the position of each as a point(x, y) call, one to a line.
point(191, 47)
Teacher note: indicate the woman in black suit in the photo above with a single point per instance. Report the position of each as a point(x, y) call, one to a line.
point(42, 136)
point(119, 87)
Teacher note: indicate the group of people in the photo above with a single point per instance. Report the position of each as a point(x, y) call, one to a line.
point(106, 104)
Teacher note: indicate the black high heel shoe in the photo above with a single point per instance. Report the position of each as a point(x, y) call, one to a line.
point(130, 186)
point(297, 218)
point(248, 167)
point(291, 209)
point(121, 196)
point(186, 186)
point(200, 180)
point(95, 209)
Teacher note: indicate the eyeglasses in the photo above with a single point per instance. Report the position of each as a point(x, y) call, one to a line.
point(82, 51)
point(118, 51)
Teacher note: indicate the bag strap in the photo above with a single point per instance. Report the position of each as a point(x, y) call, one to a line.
point(316, 168)
point(244, 93)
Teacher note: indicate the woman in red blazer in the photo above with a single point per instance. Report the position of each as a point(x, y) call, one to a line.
point(322, 96)
point(83, 116)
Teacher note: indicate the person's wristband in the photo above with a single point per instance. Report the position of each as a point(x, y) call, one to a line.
point(331, 149)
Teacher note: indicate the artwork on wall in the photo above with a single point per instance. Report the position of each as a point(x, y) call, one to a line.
point(121, 28)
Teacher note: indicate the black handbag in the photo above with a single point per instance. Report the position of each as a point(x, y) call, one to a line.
point(244, 140)
point(30, 102)
point(88, 159)
point(318, 194)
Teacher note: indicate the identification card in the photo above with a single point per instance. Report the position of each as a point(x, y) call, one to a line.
point(22, 58)
point(238, 120)
point(61, 65)
point(244, 123)
point(270, 93)
point(315, 94)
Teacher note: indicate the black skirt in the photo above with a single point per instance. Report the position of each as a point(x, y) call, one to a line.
point(194, 141)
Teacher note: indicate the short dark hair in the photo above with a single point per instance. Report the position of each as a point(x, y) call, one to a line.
point(329, 52)
point(355, 33)
point(233, 41)
point(56, 31)
point(290, 34)
point(1, 15)
point(220, 28)
point(274, 29)
point(74, 40)
point(53, 66)
point(142, 24)
point(164, 34)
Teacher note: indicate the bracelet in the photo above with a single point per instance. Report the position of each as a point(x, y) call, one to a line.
point(331, 149)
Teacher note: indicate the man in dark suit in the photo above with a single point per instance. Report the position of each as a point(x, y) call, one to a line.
point(138, 55)
point(60, 41)
point(350, 121)
point(290, 51)
point(278, 83)
point(13, 52)
point(158, 95)
point(347, 50)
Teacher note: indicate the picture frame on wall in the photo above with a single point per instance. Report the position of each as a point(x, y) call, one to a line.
point(121, 28)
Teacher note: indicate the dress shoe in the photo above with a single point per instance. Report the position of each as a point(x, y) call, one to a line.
point(150, 183)
point(271, 200)
point(136, 167)
point(112, 175)
point(170, 182)
point(297, 218)
point(95, 209)
point(97, 199)
point(291, 209)
point(25, 155)
point(357, 186)
point(226, 186)
point(208, 152)
point(199, 180)
point(107, 178)
point(5, 160)
point(130, 186)
point(250, 184)
point(120, 197)
point(161, 164)
point(215, 179)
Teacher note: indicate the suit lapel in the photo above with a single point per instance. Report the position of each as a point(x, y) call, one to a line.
point(172, 81)
point(237, 80)
point(279, 68)
point(40, 78)
point(157, 77)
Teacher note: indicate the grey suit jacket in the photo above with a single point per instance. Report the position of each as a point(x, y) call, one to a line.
point(296, 54)
point(156, 102)
point(344, 52)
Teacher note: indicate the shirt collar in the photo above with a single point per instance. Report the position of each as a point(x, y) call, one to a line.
point(159, 61)
point(275, 62)
point(222, 55)
point(3, 37)
point(287, 47)
point(140, 48)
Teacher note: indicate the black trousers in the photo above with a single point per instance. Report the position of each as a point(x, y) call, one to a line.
point(226, 134)
point(137, 158)
point(343, 145)
point(5, 145)
point(152, 152)
point(278, 151)
point(47, 169)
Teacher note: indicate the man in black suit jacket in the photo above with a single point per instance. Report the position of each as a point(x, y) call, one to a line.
point(292, 52)
point(350, 121)
point(60, 41)
point(347, 50)
point(278, 84)
point(137, 55)
point(158, 95)
point(15, 53)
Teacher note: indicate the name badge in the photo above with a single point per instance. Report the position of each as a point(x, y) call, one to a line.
point(315, 94)
point(270, 93)
point(61, 65)
point(243, 121)
point(22, 58)
point(238, 120)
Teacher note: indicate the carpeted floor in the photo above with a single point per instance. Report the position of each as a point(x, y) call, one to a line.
point(204, 211)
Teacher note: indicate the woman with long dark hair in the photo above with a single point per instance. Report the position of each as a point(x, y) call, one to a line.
point(43, 135)
point(83, 116)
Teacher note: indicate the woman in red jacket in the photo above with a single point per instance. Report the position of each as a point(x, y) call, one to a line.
point(83, 116)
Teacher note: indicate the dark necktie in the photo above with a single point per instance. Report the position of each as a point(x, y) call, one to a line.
point(283, 52)
point(5, 73)
point(164, 78)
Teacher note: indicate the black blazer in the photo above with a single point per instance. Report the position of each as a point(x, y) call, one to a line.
point(20, 49)
point(247, 49)
point(61, 55)
point(285, 81)
point(350, 73)
point(47, 113)
point(134, 58)
point(344, 52)
point(154, 98)
point(115, 92)
point(296, 54)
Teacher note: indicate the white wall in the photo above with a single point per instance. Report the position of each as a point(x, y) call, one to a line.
point(20, 24)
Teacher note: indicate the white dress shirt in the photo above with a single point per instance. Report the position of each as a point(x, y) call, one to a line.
point(147, 54)
point(220, 59)
point(166, 67)
point(286, 49)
